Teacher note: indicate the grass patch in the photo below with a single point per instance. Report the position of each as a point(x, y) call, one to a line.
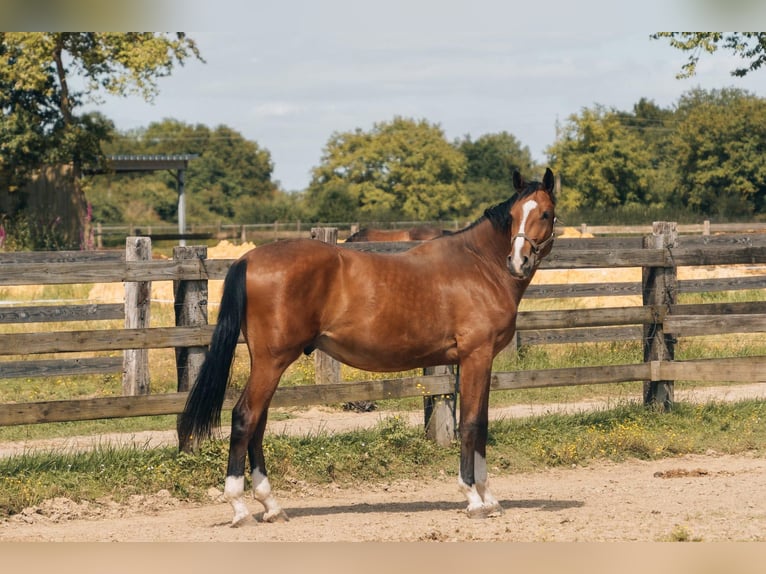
point(389, 452)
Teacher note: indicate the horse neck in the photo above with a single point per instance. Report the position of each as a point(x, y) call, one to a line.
point(491, 243)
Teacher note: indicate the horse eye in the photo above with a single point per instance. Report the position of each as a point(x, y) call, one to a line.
point(546, 215)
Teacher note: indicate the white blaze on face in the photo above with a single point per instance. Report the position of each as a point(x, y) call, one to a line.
point(517, 260)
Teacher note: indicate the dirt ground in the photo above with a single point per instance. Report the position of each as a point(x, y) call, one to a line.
point(709, 497)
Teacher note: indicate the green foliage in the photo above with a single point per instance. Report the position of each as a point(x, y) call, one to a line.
point(493, 157)
point(601, 161)
point(39, 123)
point(403, 167)
point(719, 146)
point(703, 158)
point(749, 46)
point(229, 181)
point(491, 160)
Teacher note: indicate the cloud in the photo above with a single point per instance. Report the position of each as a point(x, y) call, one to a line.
point(277, 109)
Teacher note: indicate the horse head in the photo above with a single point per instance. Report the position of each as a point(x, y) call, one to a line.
point(532, 224)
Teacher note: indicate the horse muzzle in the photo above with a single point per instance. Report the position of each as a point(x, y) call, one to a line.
point(523, 267)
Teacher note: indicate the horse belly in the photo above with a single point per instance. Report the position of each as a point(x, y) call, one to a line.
point(387, 353)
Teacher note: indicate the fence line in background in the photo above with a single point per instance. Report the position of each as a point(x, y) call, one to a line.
point(285, 229)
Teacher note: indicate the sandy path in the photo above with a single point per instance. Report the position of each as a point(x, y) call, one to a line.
point(710, 498)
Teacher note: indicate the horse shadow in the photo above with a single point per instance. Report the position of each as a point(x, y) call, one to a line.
point(541, 504)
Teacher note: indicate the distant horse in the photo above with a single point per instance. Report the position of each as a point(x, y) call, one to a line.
point(452, 300)
point(418, 233)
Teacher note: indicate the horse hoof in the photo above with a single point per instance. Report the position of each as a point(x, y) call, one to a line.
point(495, 510)
point(485, 511)
point(240, 520)
point(278, 516)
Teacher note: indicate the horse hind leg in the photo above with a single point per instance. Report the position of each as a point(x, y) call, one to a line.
point(248, 424)
point(234, 489)
point(273, 512)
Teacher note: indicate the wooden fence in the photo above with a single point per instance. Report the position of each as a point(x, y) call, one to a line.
point(259, 232)
point(659, 322)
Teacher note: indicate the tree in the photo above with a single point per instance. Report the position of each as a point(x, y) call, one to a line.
point(602, 162)
point(750, 46)
point(719, 150)
point(39, 123)
point(491, 160)
point(230, 177)
point(403, 167)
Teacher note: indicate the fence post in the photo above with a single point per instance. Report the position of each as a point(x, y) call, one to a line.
point(135, 376)
point(439, 411)
point(659, 288)
point(327, 369)
point(190, 303)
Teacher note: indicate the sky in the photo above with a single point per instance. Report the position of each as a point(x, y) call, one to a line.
point(290, 74)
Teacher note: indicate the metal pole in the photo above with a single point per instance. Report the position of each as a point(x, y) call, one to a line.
point(181, 207)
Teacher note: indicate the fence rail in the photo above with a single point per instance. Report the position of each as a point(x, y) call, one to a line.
point(287, 229)
point(534, 327)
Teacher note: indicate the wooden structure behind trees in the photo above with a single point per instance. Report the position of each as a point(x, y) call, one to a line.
point(54, 207)
point(658, 315)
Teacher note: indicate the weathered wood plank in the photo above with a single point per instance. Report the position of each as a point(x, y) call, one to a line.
point(723, 370)
point(696, 325)
point(728, 239)
point(104, 340)
point(571, 318)
point(190, 305)
point(597, 258)
point(554, 291)
point(569, 376)
point(16, 257)
point(69, 273)
point(173, 403)
point(720, 255)
point(60, 367)
point(745, 369)
point(586, 335)
point(135, 377)
point(583, 290)
point(722, 284)
point(741, 307)
point(659, 286)
point(62, 313)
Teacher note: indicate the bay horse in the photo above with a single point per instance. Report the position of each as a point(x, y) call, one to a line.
point(417, 233)
point(452, 300)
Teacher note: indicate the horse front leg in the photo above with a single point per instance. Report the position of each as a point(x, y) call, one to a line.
point(474, 425)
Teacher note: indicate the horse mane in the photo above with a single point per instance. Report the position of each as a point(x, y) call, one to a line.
point(500, 215)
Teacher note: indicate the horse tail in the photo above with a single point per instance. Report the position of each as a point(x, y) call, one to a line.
point(202, 413)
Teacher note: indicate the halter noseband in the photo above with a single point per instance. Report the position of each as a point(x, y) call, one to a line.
point(536, 247)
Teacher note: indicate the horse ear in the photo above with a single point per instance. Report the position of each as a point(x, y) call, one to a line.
point(518, 181)
point(548, 180)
